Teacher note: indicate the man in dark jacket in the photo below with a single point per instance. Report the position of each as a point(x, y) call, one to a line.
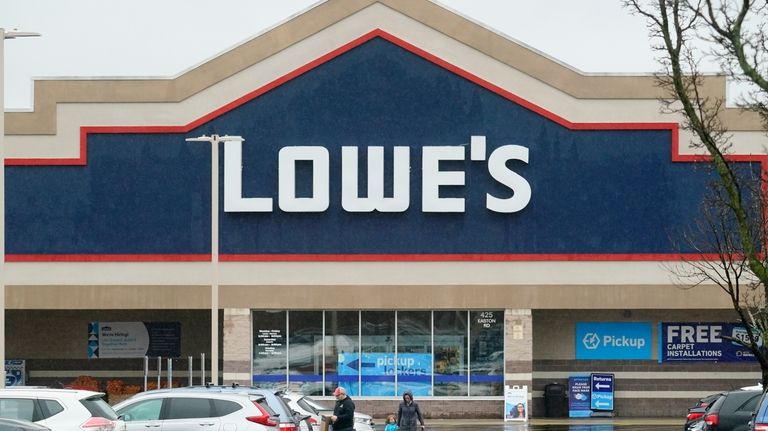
point(343, 418)
point(408, 413)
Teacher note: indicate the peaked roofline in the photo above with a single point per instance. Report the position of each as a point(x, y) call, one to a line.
point(48, 93)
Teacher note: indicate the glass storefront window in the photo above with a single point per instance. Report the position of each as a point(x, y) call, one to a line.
point(305, 352)
point(377, 357)
point(414, 352)
point(269, 352)
point(342, 331)
point(450, 353)
point(380, 353)
point(486, 361)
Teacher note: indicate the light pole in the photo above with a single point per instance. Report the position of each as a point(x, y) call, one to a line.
point(214, 140)
point(4, 35)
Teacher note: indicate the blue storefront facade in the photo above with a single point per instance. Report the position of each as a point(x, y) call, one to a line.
point(393, 203)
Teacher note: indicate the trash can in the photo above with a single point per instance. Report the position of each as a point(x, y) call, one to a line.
point(554, 401)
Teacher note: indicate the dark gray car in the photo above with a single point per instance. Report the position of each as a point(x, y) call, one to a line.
point(732, 412)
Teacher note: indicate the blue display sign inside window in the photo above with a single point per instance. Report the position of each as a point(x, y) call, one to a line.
point(613, 340)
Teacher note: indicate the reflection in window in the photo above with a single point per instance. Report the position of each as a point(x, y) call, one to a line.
point(342, 329)
point(414, 352)
point(440, 353)
point(305, 352)
point(143, 411)
point(18, 408)
point(450, 353)
point(377, 358)
point(486, 353)
point(269, 355)
point(188, 408)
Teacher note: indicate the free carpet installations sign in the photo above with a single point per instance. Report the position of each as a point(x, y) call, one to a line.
point(134, 339)
point(702, 342)
point(613, 340)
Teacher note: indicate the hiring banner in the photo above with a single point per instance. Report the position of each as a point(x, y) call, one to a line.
point(515, 403)
point(703, 342)
point(134, 339)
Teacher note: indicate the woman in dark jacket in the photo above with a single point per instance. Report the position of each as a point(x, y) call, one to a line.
point(408, 413)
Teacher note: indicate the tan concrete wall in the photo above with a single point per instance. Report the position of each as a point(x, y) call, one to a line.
point(518, 349)
point(425, 13)
point(365, 296)
point(238, 346)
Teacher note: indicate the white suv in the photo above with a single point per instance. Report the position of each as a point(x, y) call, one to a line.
point(176, 410)
point(59, 409)
point(308, 406)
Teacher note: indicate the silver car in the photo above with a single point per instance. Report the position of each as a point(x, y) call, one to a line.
point(174, 410)
point(20, 425)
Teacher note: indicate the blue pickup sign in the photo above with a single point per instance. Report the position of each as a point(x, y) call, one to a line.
point(602, 392)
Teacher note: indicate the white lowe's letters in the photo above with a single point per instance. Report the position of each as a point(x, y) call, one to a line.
point(287, 179)
point(433, 178)
point(401, 198)
point(351, 201)
point(233, 183)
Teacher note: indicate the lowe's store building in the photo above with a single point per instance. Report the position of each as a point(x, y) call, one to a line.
point(390, 197)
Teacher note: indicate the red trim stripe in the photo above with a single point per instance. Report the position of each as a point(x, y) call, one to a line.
point(107, 257)
point(501, 257)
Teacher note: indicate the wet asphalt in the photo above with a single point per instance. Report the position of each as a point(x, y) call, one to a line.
point(639, 424)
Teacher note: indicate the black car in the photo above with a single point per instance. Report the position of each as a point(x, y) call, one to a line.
point(732, 412)
point(696, 413)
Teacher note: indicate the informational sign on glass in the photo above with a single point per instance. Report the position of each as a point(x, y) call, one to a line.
point(134, 339)
point(15, 372)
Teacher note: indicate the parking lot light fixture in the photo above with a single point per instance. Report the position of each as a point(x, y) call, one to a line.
point(214, 141)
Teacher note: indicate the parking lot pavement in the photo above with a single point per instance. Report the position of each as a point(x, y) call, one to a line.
point(602, 424)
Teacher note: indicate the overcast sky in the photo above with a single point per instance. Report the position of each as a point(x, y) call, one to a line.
point(161, 38)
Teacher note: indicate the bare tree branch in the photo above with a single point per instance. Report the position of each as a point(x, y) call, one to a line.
point(733, 223)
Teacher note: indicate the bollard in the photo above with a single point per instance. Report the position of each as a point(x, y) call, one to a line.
point(170, 373)
point(146, 372)
point(189, 361)
point(202, 369)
